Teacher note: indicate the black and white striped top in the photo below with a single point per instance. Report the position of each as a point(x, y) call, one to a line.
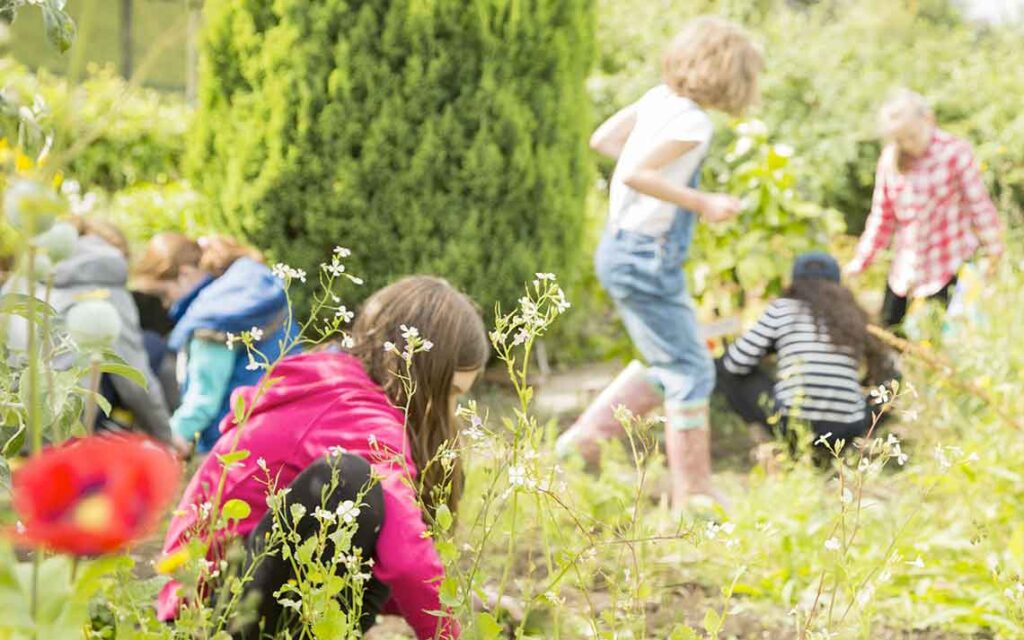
point(816, 380)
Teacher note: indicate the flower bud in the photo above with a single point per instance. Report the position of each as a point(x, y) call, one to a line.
point(31, 206)
point(93, 324)
point(59, 241)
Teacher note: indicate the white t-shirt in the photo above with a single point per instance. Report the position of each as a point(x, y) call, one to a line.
point(662, 116)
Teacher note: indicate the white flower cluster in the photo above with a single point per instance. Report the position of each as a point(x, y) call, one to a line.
point(535, 313)
point(724, 530)
point(414, 343)
point(336, 268)
point(286, 273)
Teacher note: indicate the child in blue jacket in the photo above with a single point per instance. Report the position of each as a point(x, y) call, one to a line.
point(213, 288)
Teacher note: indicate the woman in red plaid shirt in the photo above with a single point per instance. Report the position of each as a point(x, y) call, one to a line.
point(930, 200)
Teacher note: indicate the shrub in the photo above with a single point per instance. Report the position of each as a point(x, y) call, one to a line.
point(449, 137)
point(117, 135)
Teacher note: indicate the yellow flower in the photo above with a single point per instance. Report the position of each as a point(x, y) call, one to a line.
point(22, 163)
point(170, 564)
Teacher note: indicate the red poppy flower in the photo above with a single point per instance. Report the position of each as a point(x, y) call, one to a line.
point(95, 495)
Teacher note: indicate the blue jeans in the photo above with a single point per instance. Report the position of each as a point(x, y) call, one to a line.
point(643, 275)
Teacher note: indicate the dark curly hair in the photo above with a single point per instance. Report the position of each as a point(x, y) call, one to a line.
point(845, 322)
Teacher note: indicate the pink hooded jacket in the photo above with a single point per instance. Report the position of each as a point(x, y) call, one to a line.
point(324, 400)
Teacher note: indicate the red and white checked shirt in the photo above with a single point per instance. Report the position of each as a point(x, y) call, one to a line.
point(939, 212)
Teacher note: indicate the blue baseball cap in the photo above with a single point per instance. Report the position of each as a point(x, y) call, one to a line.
point(816, 265)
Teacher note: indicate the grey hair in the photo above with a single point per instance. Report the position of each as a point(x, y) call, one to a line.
point(900, 104)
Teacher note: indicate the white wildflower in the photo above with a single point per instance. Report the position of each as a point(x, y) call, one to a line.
point(520, 337)
point(409, 332)
point(344, 314)
point(389, 347)
point(286, 273)
point(347, 342)
point(348, 511)
point(253, 365)
point(743, 145)
point(298, 510)
point(288, 603)
point(427, 345)
point(832, 544)
point(335, 451)
point(342, 252)
point(262, 464)
point(783, 150)
point(323, 515)
point(545, 276)
point(728, 528)
point(232, 339)
point(917, 563)
point(256, 333)
point(335, 268)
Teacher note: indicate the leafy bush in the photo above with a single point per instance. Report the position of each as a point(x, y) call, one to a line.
point(115, 135)
point(450, 137)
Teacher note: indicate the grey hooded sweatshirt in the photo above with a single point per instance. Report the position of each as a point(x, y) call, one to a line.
point(93, 265)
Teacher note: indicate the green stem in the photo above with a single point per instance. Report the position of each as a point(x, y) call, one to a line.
point(94, 389)
point(34, 410)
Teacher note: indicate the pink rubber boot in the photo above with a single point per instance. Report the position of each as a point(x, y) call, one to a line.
point(688, 449)
point(633, 389)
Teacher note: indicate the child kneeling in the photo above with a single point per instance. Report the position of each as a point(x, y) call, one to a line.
point(820, 336)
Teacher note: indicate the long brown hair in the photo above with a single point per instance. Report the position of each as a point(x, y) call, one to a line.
point(845, 322)
point(451, 321)
point(168, 252)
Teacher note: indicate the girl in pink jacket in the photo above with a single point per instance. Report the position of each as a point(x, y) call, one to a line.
point(347, 404)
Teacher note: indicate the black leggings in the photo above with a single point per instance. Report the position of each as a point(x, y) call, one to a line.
point(752, 396)
point(894, 307)
point(273, 571)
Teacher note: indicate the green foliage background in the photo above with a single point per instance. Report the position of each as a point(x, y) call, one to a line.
point(429, 136)
point(829, 65)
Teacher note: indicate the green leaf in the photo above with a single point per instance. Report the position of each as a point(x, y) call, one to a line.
point(129, 373)
point(14, 443)
point(229, 459)
point(444, 517)
point(487, 626)
point(450, 592)
point(305, 551)
point(712, 623)
point(17, 304)
point(239, 410)
point(236, 509)
point(683, 632)
point(447, 550)
point(60, 28)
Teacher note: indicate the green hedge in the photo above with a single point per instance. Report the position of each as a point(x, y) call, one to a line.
point(427, 135)
point(134, 135)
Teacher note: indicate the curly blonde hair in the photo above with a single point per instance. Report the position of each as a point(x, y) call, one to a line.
point(715, 63)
